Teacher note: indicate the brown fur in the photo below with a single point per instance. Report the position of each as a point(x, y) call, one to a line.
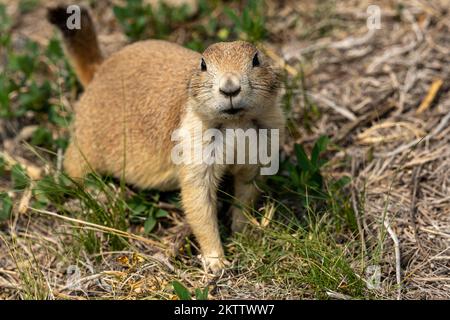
point(81, 45)
point(141, 94)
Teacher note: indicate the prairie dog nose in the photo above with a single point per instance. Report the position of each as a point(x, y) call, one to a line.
point(229, 85)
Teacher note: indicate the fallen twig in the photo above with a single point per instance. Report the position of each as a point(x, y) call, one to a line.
point(101, 228)
point(367, 118)
point(397, 257)
point(413, 209)
point(432, 92)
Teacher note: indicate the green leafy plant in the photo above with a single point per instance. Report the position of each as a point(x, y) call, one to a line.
point(42, 137)
point(145, 210)
point(202, 34)
point(301, 181)
point(2, 166)
point(140, 21)
point(184, 294)
point(26, 6)
point(5, 28)
point(251, 24)
point(19, 177)
point(23, 92)
point(303, 176)
point(34, 94)
point(134, 18)
point(5, 206)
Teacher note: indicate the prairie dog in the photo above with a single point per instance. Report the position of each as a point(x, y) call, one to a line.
point(136, 98)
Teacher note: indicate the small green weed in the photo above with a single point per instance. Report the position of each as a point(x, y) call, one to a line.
point(6, 205)
point(184, 294)
point(141, 209)
point(141, 21)
point(250, 25)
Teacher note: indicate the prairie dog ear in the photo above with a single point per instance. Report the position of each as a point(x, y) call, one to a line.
point(261, 59)
point(270, 62)
point(256, 60)
point(203, 65)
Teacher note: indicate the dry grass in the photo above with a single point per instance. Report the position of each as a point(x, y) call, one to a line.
point(382, 97)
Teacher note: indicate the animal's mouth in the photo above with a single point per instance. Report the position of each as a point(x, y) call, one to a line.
point(232, 110)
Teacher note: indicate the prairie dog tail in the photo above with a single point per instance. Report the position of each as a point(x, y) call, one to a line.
point(81, 44)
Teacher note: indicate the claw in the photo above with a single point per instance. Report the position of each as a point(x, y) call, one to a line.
point(214, 264)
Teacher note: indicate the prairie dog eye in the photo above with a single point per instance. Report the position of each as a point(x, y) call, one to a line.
point(203, 65)
point(255, 61)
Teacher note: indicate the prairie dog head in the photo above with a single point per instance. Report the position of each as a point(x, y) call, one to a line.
point(233, 80)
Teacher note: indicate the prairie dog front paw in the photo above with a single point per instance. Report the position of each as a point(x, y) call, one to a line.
point(214, 263)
